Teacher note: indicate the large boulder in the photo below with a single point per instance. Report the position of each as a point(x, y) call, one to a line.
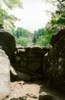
point(55, 67)
point(56, 37)
point(7, 42)
point(4, 75)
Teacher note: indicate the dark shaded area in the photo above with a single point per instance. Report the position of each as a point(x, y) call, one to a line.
point(45, 62)
point(56, 62)
point(30, 61)
point(46, 97)
point(56, 37)
point(7, 42)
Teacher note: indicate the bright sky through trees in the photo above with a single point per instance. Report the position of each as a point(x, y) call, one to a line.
point(33, 15)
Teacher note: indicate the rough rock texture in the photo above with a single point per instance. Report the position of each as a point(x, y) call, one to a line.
point(29, 61)
point(4, 75)
point(7, 42)
point(56, 37)
point(55, 62)
point(44, 61)
point(35, 63)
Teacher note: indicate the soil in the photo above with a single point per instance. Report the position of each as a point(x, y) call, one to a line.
point(30, 91)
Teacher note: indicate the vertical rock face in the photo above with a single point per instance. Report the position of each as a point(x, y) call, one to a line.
point(55, 67)
point(7, 42)
point(30, 61)
point(56, 37)
point(4, 75)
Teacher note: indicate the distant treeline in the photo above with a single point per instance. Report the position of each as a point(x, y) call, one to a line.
point(25, 38)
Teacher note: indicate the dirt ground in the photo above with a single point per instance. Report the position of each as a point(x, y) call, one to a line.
point(29, 91)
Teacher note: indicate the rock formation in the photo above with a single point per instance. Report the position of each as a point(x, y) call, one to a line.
point(7, 42)
point(29, 61)
point(4, 75)
point(37, 63)
point(55, 66)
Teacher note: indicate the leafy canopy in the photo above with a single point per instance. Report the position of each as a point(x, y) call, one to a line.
point(5, 18)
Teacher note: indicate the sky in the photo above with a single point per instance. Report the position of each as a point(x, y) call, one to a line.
point(33, 15)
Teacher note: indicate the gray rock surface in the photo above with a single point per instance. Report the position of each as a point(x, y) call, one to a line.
point(4, 75)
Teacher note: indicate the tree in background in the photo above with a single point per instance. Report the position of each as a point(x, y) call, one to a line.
point(22, 42)
point(41, 37)
point(37, 34)
point(22, 32)
point(23, 37)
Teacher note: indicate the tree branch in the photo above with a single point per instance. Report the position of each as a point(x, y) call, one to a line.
point(61, 3)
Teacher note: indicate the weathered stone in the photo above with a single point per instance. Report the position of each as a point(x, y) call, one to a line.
point(56, 37)
point(4, 75)
point(30, 61)
point(7, 42)
point(56, 62)
point(34, 66)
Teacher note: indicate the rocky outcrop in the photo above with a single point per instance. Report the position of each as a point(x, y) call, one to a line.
point(29, 62)
point(55, 62)
point(7, 42)
point(4, 75)
point(56, 37)
point(37, 63)
point(44, 62)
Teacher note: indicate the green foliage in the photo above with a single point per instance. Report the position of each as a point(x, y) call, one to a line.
point(36, 35)
point(41, 41)
point(56, 23)
point(44, 40)
point(58, 18)
point(22, 41)
point(20, 32)
point(12, 3)
point(34, 39)
point(42, 37)
point(23, 36)
point(6, 19)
